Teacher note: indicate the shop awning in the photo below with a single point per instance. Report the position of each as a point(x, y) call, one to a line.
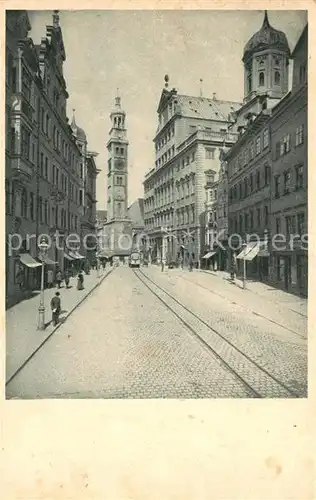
point(28, 260)
point(72, 255)
point(67, 257)
point(75, 255)
point(208, 255)
point(79, 256)
point(103, 254)
point(250, 251)
point(47, 260)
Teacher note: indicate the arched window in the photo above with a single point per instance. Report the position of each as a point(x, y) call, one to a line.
point(277, 77)
point(261, 78)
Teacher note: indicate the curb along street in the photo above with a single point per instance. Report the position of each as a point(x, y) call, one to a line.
point(101, 279)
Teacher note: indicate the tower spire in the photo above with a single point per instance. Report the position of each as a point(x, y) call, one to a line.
point(73, 121)
point(265, 19)
point(118, 99)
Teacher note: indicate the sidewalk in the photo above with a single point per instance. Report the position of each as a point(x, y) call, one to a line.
point(268, 292)
point(22, 336)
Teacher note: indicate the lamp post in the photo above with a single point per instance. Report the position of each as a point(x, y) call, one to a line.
point(244, 279)
point(43, 246)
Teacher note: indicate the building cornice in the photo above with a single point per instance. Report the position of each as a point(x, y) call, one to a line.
point(251, 131)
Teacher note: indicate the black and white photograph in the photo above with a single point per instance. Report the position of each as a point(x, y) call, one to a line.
point(156, 214)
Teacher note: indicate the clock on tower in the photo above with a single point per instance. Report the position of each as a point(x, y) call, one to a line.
point(118, 176)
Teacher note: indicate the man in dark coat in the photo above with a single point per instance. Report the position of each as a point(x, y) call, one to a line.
point(55, 305)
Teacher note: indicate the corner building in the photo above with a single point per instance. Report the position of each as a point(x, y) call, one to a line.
point(190, 134)
point(249, 161)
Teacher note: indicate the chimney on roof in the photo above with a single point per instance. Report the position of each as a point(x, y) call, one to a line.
point(214, 96)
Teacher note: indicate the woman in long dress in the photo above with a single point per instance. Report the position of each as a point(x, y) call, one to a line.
point(80, 281)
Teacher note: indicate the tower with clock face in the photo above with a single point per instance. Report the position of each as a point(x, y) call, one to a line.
point(118, 228)
point(117, 165)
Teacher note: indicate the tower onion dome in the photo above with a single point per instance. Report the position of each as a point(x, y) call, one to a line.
point(266, 38)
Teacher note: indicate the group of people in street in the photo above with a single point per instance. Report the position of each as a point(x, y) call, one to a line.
point(56, 300)
point(59, 278)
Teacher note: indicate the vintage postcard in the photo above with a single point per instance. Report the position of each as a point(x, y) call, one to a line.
point(157, 250)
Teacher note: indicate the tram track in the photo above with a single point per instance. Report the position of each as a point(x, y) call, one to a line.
point(40, 346)
point(248, 309)
point(258, 382)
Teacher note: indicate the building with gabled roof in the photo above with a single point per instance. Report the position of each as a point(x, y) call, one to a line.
point(191, 131)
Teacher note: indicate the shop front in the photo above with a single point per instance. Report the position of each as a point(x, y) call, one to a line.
point(291, 271)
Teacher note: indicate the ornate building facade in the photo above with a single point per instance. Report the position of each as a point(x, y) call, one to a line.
point(190, 133)
point(42, 157)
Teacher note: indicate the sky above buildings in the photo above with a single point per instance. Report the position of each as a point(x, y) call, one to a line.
point(133, 50)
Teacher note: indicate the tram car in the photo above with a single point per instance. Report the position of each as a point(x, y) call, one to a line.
point(134, 259)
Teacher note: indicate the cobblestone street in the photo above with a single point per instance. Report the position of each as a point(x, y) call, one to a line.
point(123, 342)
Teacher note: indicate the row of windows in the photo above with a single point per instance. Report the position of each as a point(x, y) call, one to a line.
point(283, 146)
point(262, 79)
point(287, 181)
point(292, 224)
point(250, 152)
point(119, 181)
point(165, 138)
point(165, 157)
point(249, 185)
point(119, 122)
point(250, 221)
point(46, 214)
point(29, 153)
point(60, 144)
point(118, 150)
point(184, 215)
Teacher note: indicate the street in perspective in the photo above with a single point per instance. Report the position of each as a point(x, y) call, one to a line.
point(198, 287)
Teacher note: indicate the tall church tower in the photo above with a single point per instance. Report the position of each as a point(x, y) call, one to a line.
point(117, 165)
point(117, 232)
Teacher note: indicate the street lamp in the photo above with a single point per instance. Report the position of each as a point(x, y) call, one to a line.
point(244, 279)
point(43, 246)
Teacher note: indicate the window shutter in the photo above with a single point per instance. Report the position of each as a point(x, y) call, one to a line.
point(278, 150)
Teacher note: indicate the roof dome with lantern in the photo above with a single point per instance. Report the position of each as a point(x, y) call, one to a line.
point(117, 110)
point(266, 38)
point(78, 132)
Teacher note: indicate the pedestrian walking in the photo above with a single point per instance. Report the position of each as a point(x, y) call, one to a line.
point(50, 278)
point(80, 281)
point(233, 267)
point(59, 278)
point(67, 279)
point(55, 305)
point(162, 265)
